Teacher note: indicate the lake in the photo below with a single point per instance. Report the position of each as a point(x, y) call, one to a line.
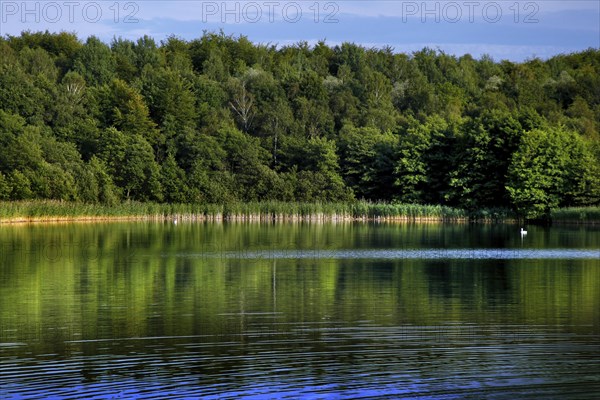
point(347, 310)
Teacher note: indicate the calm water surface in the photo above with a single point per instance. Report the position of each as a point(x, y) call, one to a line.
point(156, 310)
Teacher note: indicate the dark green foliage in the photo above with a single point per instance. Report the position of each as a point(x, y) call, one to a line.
point(483, 157)
point(424, 161)
point(5, 187)
point(368, 162)
point(130, 161)
point(221, 120)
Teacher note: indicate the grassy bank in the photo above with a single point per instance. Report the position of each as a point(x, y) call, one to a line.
point(40, 211)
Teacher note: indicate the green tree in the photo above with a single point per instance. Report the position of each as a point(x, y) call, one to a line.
point(130, 161)
point(317, 176)
point(94, 61)
point(62, 46)
point(71, 119)
point(125, 59)
point(242, 103)
point(38, 62)
point(483, 159)
point(107, 193)
point(20, 185)
point(95, 184)
point(220, 119)
point(418, 168)
point(173, 181)
point(367, 162)
point(19, 93)
point(170, 98)
point(552, 167)
point(44, 166)
point(5, 187)
point(147, 53)
point(379, 112)
point(248, 162)
point(124, 108)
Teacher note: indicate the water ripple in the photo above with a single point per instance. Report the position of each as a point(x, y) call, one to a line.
point(347, 362)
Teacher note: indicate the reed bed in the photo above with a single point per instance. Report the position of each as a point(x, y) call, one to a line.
point(46, 210)
point(576, 215)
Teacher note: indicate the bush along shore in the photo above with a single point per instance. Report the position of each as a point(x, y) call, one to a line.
point(54, 211)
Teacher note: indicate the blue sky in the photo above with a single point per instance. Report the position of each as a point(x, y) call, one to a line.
point(514, 30)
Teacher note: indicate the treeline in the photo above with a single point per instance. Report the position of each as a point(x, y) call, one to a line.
point(220, 119)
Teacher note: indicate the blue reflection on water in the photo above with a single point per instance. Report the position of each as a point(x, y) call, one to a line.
point(395, 254)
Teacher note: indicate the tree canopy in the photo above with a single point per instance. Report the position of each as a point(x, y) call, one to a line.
point(220, 119)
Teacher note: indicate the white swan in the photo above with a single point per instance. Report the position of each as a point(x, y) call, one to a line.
point(523, 232)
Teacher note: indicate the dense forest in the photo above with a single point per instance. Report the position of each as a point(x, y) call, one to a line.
point(220, 119)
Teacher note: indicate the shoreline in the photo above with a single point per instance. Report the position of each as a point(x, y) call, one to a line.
point(242, 218)
point(48, 211)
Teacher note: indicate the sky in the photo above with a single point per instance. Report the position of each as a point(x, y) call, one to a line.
point(513, 30)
